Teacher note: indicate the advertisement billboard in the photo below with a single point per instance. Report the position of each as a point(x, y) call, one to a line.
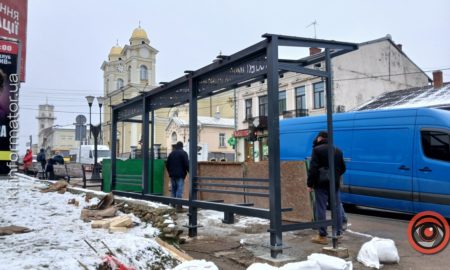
point(9, 106)
point(13, 24)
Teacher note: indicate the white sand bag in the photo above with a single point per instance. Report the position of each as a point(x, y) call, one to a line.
point(368, 255)
point(378, 251)
point(387, 252)
point(196, 265)
point(261, 266)
point(329, 262)
point(303, 265)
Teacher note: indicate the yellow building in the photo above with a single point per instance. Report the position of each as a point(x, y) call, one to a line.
point(130, 71)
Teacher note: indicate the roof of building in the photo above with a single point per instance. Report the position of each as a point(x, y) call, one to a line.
point(206, 121)
point(115, 51)
point(139, 34)
point(426, 96)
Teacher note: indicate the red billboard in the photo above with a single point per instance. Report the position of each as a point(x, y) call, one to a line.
point(13, 24)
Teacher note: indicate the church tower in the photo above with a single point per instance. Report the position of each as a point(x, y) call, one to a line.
point(128, 71)
point(45, 119)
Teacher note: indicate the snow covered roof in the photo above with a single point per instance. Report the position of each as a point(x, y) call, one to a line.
point(205, 121)
point(426, 96)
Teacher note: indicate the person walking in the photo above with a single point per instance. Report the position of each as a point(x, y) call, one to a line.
point(177, 166)
point(41, 159)
point(341, 206)
point(27, 161)
point(321, 185)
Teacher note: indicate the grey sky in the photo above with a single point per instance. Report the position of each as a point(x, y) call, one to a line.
point(68, 40)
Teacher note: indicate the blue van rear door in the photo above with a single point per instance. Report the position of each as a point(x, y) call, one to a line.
point(432, 170)
point(381, 172)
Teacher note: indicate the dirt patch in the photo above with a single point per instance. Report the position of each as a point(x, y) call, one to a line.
point(227, 255)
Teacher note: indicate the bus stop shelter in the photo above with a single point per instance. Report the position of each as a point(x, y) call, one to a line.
point(256, 63)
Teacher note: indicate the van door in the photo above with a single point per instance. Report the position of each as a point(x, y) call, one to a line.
point(381, 171)
point(432, 170)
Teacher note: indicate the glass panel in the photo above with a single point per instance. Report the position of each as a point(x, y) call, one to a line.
point(281, 102)
point(263, 106)
point(436, 144)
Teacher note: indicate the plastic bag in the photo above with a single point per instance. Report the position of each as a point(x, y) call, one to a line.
point(387, 252)
point(329, 262)
point(303, 265)
point(377, 251)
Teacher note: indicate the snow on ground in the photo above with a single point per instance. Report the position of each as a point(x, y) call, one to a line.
point(58, 233)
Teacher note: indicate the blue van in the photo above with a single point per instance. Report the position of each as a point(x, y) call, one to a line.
point(396, 159)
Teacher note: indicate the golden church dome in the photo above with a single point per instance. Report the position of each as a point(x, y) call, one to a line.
point(139, 34)
point(115, 51)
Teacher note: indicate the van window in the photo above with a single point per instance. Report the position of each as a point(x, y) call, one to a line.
point(436, 144)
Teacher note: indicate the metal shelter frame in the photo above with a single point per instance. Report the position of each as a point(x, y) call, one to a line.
point(255, 63)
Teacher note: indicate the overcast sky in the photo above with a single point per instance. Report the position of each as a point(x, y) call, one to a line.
point(69, 40)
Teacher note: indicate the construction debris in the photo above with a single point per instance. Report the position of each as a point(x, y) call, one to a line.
point(88, 215)
point(176, 253)
point(105, 202)
point(74, 202)
point(103, 209)
point(60, 187)
point(120, 221)
point(8, 230)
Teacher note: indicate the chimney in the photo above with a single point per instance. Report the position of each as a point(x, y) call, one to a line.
point(313, 51)
point(437, 79)
point(400, 47)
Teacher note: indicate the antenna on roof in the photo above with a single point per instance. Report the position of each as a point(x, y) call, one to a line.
point(139, 23)
point(314, 23)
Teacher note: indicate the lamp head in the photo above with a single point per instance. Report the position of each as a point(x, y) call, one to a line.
point(90, 100)
point(100, 101)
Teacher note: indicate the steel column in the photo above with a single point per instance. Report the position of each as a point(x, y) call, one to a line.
point(152, 152)
point(144, 148)
point(192, 156)
point(329, 99)
point(113, 149)
point(276, 241)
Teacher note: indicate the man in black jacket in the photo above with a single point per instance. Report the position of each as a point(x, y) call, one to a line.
point(319, 160)
point(178, 166)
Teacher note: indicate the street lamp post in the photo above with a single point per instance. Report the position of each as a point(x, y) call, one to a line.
point(100, 101)
point(95, 130)
point(90, 100)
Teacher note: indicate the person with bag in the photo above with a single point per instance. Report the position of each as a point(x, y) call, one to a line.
point(318, 181)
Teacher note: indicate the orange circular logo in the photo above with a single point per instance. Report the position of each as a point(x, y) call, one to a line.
point(428, 232)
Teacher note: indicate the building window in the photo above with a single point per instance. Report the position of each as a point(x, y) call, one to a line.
point(281, 102)
point(248, 108)
point(222, 140)
point(436, 144)
point(174, 138)
point(144, 73)
point(319, 95)
point(129, 73)
point(263, 106)
point(119, 84)
point(300, 101)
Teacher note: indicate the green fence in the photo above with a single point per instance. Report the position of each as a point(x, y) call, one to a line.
point(129, 175)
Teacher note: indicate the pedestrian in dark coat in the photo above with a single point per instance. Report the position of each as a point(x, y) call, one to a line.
point(319, 160)
point(49, 169)
point(177, 166)
point(41, 159)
